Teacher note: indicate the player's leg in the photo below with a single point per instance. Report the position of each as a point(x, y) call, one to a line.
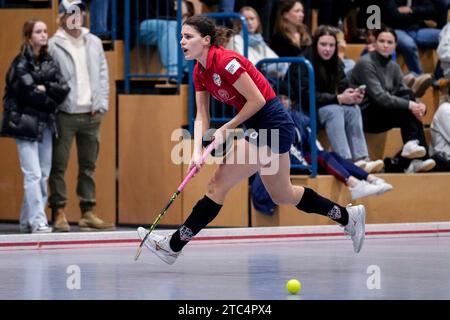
point(283, 192)
point(206, 209)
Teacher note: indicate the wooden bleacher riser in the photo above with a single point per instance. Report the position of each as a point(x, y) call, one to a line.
point(415, 198)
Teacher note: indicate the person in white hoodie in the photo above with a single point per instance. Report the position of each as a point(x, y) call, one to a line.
point(83, 64)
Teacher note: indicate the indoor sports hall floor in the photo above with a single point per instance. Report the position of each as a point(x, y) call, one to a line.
point(395, 268)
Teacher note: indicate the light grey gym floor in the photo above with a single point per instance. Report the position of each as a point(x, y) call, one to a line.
point(395, 268)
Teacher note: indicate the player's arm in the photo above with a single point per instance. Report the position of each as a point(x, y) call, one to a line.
point(202, 118)
point(255, 100)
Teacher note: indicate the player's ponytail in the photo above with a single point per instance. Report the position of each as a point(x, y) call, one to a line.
point(206, 27)
point(222, 36)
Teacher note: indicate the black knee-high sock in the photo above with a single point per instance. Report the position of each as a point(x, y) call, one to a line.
point(203, 213)
point(312, 202)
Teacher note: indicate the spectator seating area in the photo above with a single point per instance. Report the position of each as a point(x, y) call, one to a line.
point(136, 175)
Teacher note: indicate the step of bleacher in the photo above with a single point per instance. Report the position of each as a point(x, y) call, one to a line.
point(415, 198)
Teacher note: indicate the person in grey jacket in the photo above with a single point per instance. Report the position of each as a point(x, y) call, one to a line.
point(79, 117)
point(388, 103)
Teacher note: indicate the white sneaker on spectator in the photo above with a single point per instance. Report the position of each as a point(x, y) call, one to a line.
point(159, 245)
point(420, 166)
point(374, 166)
point(385, 187)
point(364, 189)
point(356, 226)
point(412, 150)
point(41, 229)
point(361, 164)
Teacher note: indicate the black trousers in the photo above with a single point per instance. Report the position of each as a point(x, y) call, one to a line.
point(377, 119)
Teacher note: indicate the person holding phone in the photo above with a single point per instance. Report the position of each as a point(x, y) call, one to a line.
point(337, 102)
point(389, 103)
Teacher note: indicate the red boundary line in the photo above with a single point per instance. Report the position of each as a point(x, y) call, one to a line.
point(208, 238)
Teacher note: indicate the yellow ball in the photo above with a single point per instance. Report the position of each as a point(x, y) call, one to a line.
point(293, 286)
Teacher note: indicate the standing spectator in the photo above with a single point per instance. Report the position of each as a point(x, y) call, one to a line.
point(83, 62)
point(291, 37)
point(34, 88)
point(389, 103)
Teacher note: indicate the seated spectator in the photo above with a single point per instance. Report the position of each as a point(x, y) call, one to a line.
point(389, 103)
point(266, 10)
point(418, 84)
point(291, 37)
point(415, 26)
point(99, 17)
point(257, 47)
point(336, 101)
point(342, 48)
point(161, 31)
point(440, 138)
point(360, 183)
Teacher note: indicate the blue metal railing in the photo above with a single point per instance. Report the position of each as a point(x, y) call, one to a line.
point(128, 74)
point(312, 100)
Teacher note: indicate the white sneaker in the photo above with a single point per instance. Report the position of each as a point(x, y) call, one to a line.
point(420, 166)
point(412, 150)
point(361, 164)
point(356, 225)
point(41, 229)
point(364, 189)
point(384, 186)
point(374, 166)
point(159, 245)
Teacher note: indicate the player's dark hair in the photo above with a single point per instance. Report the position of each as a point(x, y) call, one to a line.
point(207, 27)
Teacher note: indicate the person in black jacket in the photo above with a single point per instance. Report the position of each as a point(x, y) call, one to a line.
point(34, 88)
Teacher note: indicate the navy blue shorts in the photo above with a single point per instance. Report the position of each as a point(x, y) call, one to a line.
point(259, 129)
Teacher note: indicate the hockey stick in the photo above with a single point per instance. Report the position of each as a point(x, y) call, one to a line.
point(173, 197)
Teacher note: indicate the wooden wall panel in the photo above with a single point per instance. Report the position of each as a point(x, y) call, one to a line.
point(11, 177)
point(147, 175)
point(415, 198)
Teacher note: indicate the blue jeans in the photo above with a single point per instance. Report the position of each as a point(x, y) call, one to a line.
point(35, 162)
point(99, 16)
point(343, 125)
point(163, 34)
point(409, 40)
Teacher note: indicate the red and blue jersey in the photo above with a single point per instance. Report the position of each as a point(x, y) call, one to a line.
point(223, 68)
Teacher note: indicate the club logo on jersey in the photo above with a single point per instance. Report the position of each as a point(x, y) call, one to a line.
point(217, 79)
point(224, 95)
point(233, 66)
